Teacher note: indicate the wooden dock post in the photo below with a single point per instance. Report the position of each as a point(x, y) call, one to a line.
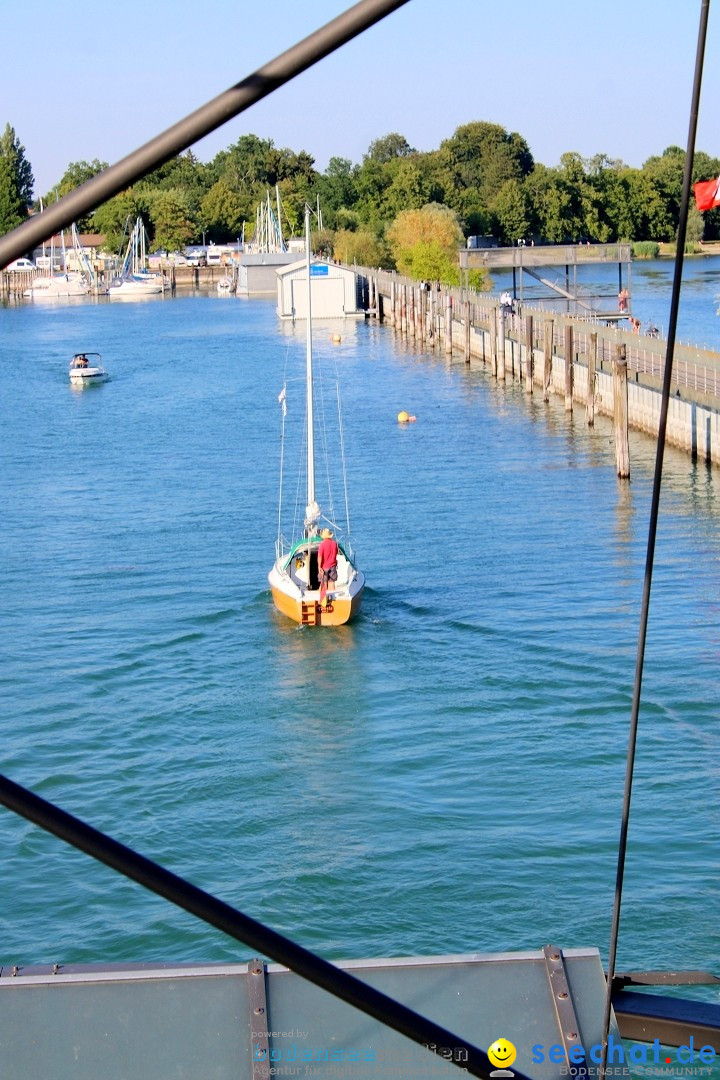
point(620, 412)
point(403, 309)
point(448, 325)
point(568, 368)
point(592, 362)
point(529, 359)
point(392, 303)
point(547, 362)
point(412, 325)
point(501, 345)
point(466, 329)
point(493, 339)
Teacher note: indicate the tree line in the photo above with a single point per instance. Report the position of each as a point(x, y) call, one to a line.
point(398, 208)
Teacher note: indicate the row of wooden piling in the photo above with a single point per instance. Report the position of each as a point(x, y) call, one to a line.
point(428, 315)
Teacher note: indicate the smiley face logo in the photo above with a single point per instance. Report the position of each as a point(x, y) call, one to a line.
point(502, 1053)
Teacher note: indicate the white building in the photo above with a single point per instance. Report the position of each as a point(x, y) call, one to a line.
point(335, 291)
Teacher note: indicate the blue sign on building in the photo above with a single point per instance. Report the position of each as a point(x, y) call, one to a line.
point(319, 270)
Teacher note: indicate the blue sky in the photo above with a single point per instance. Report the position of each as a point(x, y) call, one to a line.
point(89, 80)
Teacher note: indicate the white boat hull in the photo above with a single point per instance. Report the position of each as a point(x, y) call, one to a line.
point(297, 597)
point(88, 376)
point(131, 290)
point(44, 288)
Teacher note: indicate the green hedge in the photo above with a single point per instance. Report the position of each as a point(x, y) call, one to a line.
point(645, 249)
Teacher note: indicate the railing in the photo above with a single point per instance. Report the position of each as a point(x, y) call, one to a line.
point(695, 370)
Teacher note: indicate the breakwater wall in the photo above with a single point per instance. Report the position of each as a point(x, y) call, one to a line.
point(605, 369)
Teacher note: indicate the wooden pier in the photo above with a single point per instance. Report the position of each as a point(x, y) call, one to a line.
point(538, 263)
point(609, 369)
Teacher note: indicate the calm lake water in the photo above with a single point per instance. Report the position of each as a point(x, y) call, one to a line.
point(443, 775)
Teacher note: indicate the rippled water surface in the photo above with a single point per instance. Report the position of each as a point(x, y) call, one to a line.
point(443, 775)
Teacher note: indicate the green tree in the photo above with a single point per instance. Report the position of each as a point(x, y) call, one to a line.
point(222, 212)
point(695, 225)
point(362, 247)
point(512, 211)
point(115, 218)
point(172, 221)
point(484, 157)
point(76, 174)
point(409, 189)
point(16, 181)
point(336, 189)
point(425, 243)
point(388, 148)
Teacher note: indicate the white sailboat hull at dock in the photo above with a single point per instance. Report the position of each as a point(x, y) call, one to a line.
point(132, 288)
point(50, 288)
point(135, 280)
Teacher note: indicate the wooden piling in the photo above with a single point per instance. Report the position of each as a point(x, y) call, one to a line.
point(493, 340)
point(403, 309)
point(529, 359)
point(620, 412)
point(412, 323)
point(466, 330)
point(547, 361)
point(569, 358)
point(501, 345)
point(392, 303)
point(592, 362)
point(448, 324)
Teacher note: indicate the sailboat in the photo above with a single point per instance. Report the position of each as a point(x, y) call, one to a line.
point(68, 282)
point(135, 279)
point(296, 581)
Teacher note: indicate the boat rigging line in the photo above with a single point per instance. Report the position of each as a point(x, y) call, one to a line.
point(654, 513)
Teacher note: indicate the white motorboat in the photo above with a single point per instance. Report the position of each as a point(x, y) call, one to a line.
point(86, 369)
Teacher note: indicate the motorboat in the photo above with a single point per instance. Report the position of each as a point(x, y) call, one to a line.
point(86, 369)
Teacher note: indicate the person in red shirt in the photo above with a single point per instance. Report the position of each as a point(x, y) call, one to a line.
point(327, 561)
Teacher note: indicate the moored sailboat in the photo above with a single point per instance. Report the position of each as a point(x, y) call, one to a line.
point(314, 579)
point(135, 280)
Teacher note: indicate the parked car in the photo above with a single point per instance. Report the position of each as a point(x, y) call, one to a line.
point(21, 264)
point(194, 258)
point(177, 258)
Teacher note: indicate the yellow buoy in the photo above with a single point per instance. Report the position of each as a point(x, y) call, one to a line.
point(337, 338)
point(403, 417)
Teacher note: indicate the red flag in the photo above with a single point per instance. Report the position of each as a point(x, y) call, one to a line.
point(707, 194)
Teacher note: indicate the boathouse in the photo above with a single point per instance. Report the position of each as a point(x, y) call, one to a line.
point(335, 291)
point(257, 272)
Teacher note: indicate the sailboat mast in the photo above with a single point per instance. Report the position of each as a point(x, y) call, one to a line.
point(309, 372)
